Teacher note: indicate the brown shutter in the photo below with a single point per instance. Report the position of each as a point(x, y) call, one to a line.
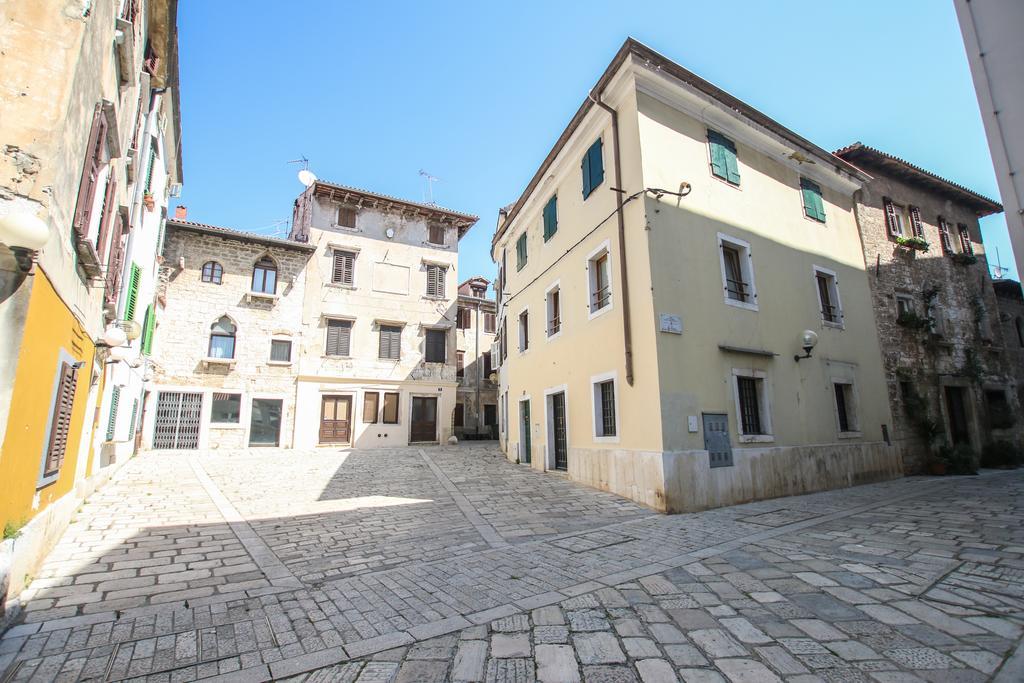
point(460, 363)
point(346, 217)
point(90, 172)
point(344, 267)
point(107, 217)
point(915, 220)
point(890, 216)
point(370, 404)
point(116, 264)
point(339, 336)
point(61, 424)
point(947, 244)
point(966, 246)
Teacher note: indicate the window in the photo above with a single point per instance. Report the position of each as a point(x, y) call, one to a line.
point(723, 157)
point(371, 402)
point(280, 350)
point(60, 423)
point(460, 415)
point(828, 297)
point(604, 408)
point(343, 268)
point(212, 272)
point(115, 401)
point(148, 327)
point(390, 409)
point(95, 153)
point(845, 407)
point(894, 218)
point(524, 331)
point(907, 395)
point(915, 222)
point(390, 342)
point(503, 338)
point(226, 408)
point(550, 218)
point(966, 246)
point(346, 217)
point(264, 276)
point(222, 339)
point(435, 233)
point(904, 306)
point(489, 323)
point(554, 310)
point(460, 364)
point(599, 274)
point(593, 168)
point(737, 273)
point(132, 299)
point(997, 409)
point(339, 338)
point(1018, 325)
point(944, 237)
point(813, 205)
point(435, 280)
point(521, 255)
point(435, 346)
point(752, 405)
point(488, 369)
point(464, 318)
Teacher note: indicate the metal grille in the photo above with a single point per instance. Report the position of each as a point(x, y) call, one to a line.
point(716, 439)
point(735, 287)
point(602, 293)
point(177, 420)
point(750, 407)
point(829, 312)
point(607, 408)
point(561, 448)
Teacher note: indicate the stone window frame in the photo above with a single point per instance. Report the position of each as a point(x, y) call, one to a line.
point(833, 290)
point(596, 407)
point(764, 400)
point(746, 265)
point(845, 374)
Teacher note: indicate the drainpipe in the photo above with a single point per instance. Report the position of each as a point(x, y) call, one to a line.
point(627, 332)
point(478, 381)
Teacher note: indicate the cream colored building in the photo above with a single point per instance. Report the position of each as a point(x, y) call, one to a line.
point(656, 278)
point(377, 362)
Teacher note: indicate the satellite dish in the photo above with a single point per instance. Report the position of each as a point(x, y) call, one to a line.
point(306, 177)
point(390, 232)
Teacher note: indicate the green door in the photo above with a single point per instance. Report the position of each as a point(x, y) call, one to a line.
point(524, 431)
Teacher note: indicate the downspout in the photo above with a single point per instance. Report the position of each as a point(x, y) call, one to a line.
point(478, 381)
point(627, 332)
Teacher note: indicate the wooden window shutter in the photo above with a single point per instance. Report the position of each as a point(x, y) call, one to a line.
point(435, 233)
point(339, 338)
point(944, 238)
point(61, 423)
point(460, 363)
point(133, 293)
point(106, 216)
point(390, 342)
point(723, 157)
point(521, 253)
point(344, 267)
point(435, 346)
point(550, 218)
point(90, 172)
point(813, 206)
point(347, 217)
point(147, 330)
point(149, 168)
point(435, 280)
point(915, 221)
point(115, 400)
point(115, 266)
point(890, 216)
point(585, 171)
point(966, 246)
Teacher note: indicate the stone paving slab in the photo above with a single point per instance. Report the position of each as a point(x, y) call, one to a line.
point(452, 564)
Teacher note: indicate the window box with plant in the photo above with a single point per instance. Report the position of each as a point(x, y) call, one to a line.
point(912, 321)
point(915, 242)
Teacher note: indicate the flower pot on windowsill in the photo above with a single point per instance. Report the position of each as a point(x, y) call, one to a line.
point(915, 243)
point(148, 200)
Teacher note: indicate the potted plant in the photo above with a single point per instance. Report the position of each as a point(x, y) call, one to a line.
point(913, 321)
point(147, 199)
point(916, 243)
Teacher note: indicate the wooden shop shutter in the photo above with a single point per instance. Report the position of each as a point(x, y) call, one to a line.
point(915, 221)
point(90, 172)
point(890, 217)
point(133, 292)
point(339, 337)
point(344, 267)
point(61, 424)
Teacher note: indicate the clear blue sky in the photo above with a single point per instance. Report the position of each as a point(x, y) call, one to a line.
point(476, 94)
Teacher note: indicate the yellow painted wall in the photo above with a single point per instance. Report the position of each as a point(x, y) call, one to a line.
point(49, 328)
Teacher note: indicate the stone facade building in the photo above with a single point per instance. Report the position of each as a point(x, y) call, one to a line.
point(377, 363)
point(228, 343)
point(934, 305)
point(1010, 300)
point(91, 140)
point(476, 407)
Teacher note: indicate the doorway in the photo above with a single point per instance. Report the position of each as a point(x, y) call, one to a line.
point(424, 419)
point(525, 438)
point(265, 422)
point(956, 409)
point(491, 419)
point(336, 419)
point(557, 431)
point(178, 416)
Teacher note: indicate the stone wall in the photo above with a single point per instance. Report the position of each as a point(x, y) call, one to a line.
point(475, 389)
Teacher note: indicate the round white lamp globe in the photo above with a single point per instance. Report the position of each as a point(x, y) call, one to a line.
point(114, 336)
point(24, 230)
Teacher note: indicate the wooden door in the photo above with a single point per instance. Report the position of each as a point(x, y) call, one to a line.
point(525, 455)
point(336, 419)
point(558, 429)
point(959, 432)
point(424, 419)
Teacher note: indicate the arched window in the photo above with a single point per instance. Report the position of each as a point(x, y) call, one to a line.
point(1019, 324)
point(264, 276)
point(212, 272)
point(222, 339)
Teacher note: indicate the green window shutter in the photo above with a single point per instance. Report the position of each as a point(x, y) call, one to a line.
point(147, 330)
point(550, 218)
point(135, 415)
point(593, 168)
point(813, 205)
point(521, 252)
point(149, 168)
point(585, 165)
point(115, 398)
point(133, 292)
point(723, 157)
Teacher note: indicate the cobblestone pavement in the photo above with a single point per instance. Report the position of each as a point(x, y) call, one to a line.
point(452, 564)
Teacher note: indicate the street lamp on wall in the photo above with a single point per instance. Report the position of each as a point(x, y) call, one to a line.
point(24, 234)
point(808, 340)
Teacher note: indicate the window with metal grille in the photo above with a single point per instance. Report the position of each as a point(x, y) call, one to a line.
point(390, 416)
point(605, 399)
point(371, 402)
point(280, 350)
point(600, 282)
point(736, 288)
point(222, 339)
point(435, 280)
point(390, 342)
point(346, 217)
point(435, 233)
point(828, 297)
point(226, 408)
point(489, 323)
point(60, 424)
point(435, 346)
point(749, 390)
point(343, 267)
point(213, 272)
point(339, 337)
point(264, 276)
point(845, 407)
point(554, 306)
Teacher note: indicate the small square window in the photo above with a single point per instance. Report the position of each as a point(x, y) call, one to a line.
point(435, 233)
point(347, 217)
point(281, 350)
point(905, 306)
point(226, 408)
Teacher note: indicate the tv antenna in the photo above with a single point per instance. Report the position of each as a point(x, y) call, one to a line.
point(306, 177)
point(997, 270)
point(431, 179)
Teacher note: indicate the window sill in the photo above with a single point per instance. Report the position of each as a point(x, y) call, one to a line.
point(813, 220)
point(430, 297)
point(344, 228)
point(333, 357)
point(726, 182)
point(756, 438)
point(741, 304)
point(251, 296)
point(850, 435)
point(226, 425)
point(436, 246)
point(279, 363)
point(229, 362)
point(339, 285)
point(606, 439)
point(835, 326)
point(553, 337)
point(600, 311)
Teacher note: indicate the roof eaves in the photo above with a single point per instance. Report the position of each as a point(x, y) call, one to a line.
point(230, 233)
point(467, 218)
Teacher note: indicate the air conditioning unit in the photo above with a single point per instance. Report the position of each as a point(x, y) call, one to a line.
point(175, 190)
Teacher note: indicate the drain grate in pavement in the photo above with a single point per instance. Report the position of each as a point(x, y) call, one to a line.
point(591, 541)
point(780, 517)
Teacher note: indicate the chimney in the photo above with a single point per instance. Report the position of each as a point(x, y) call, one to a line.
point(180, 213)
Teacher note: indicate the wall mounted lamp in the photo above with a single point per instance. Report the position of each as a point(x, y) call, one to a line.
point(25, 234)
point(808, 340)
